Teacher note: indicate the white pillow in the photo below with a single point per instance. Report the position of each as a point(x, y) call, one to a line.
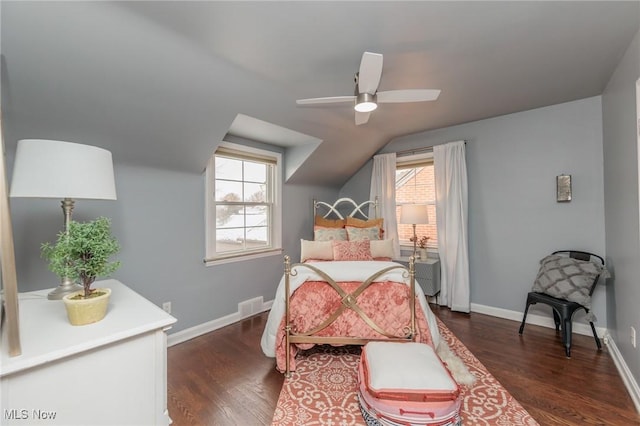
point(382, 248)
point(317, 250)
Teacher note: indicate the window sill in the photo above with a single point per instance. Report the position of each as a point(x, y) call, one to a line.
point(409, 247)
point(406, 250)
point(242, 257)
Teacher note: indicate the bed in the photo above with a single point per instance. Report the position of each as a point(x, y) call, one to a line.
point(346, 290)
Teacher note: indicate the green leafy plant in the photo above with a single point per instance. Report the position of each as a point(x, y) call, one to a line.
point(83, 252)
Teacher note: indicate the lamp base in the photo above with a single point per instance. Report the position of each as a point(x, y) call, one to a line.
point(63, 289)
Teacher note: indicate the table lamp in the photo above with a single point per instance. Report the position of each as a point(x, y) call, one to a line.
point(413, 214)
point(56, 169)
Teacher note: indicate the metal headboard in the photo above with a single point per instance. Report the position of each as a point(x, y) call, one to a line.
point(349, 203)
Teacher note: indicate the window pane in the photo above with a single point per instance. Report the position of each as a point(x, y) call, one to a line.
point(229, 240)
point(257, 216)
point(257, 237)
point(229, 216)
point(417, 185)
point(255, 172)
point(255, 193)
point(227, 168)
point(228, 190)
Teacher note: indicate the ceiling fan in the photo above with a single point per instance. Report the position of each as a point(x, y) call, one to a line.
point(366, 97)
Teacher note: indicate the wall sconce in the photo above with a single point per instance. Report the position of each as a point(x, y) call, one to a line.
point(563, 188)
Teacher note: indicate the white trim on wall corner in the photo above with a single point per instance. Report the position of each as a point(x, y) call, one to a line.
point(535, 319)
point(245, 309)
point(627, 377)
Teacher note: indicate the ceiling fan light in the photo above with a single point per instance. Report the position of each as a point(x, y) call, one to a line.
point(365, 102)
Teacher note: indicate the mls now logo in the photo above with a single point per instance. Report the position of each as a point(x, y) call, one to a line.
point(22, 414)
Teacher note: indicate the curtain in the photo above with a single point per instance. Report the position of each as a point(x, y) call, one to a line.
point(383, 186)
point(452, 217)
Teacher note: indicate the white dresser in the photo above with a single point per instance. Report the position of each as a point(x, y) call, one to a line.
point(113, 372)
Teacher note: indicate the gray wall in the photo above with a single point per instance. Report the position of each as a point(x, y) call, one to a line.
point(514, 219)
point(159, 221)
point(621, 203)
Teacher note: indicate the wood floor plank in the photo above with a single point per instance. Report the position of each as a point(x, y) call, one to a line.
point(223, 379)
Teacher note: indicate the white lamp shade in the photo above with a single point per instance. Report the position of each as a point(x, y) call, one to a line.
point(55, 169)
point(414, 214)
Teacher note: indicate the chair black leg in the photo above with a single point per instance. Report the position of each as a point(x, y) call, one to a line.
point(556, 319)
point(524, 318)
point(566, 336)
point(595, 335)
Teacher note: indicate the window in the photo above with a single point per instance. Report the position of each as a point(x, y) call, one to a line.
point(243, 214)
point(415, 183)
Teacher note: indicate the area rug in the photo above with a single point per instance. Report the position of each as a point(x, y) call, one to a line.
point(322, 391)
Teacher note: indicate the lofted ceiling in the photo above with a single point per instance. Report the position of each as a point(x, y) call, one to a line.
point(161, 83)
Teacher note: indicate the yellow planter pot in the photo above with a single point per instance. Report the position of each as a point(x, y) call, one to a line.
point(87, 311)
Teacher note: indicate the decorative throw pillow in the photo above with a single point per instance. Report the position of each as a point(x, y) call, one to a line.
point(567, 278)
point(382, 249)
point(351, 250)
point(359, 223)
point(327, 234)
point(315, 250)
point(359, 234)
point(329, 223)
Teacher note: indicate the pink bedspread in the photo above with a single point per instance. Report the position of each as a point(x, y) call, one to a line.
point(386, 303)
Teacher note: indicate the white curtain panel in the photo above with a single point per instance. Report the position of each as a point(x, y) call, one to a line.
point(452, 216)
point(383, 186)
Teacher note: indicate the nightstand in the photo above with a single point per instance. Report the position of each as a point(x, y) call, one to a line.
point(427, 274)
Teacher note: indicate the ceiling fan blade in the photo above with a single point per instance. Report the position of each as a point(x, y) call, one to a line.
point(329, 100)
point(370, 72)
point(362, 117)
point(408, 95)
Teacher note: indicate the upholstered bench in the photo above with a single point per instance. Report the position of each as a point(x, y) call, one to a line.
point(406, 383)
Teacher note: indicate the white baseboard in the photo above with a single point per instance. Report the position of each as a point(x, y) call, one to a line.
point(623, 369)
point(535, 319)
point(256, 306)
point(245, 309)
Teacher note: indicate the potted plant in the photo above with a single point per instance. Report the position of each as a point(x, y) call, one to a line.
point(422, 243)
point(82, 253)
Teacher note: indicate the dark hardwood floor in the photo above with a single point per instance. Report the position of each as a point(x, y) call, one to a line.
point(222, 378)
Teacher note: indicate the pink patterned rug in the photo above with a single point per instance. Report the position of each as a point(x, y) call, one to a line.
point(322, 391)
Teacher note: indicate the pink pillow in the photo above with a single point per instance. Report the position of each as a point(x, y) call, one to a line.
point(352, 250)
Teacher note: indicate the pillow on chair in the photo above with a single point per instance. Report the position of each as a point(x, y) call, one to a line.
point(567, 278)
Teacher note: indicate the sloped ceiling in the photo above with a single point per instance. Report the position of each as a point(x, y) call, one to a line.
point(160, 83)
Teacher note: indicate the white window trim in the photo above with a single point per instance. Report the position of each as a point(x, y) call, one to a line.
point(210, 223)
